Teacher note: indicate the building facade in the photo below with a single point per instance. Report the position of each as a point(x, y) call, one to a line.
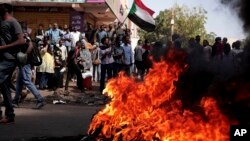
point(76, 13)
point(64, 12)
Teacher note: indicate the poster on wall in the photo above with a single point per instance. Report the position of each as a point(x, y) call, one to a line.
point(77, 20)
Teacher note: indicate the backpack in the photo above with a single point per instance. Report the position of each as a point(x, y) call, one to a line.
point(35, 58)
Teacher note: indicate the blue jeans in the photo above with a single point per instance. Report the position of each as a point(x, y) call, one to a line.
point(43, 80)
point(96, 72)
point(24, 78)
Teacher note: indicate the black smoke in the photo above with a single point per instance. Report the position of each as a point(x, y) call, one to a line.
point(226, 81)
point(242, 7)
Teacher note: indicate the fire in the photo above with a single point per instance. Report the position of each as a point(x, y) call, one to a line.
point(147, 111)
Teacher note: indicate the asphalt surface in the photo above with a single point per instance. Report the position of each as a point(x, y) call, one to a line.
point(51, 121)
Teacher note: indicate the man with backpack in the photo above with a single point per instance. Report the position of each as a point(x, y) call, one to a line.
point(11, 38)
point(24, 78)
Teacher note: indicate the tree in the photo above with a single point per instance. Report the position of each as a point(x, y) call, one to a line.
point(188, 23)
point(210, 37)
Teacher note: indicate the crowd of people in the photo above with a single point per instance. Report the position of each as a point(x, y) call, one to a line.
point(102, 52)
point(220, 57)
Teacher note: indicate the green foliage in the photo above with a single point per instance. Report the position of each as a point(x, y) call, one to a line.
point(210, 37)
point(188, 23)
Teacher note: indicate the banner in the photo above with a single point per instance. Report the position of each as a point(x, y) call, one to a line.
point(77, 20)
point(119, 8)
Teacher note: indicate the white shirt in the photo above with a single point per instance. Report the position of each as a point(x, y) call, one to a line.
point(106, 59)
point(75, 37)
point(237, 51)
point(207, 52)
point(64, 52)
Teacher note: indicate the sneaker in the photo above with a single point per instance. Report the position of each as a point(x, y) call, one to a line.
point(7, 121)
point(39, 105)
point(62, 102)
point(55, 101)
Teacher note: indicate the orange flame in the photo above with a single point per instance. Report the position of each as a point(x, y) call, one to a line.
point(144, 111)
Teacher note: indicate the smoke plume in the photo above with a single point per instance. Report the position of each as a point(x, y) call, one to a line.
point(242, 7)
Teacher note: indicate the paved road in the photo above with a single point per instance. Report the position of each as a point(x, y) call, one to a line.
point(52, 121)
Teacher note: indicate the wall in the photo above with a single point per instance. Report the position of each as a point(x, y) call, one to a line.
point(33, 19)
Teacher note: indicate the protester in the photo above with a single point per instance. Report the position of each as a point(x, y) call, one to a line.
point(120, 31)
point(237, 55)
point(138, 58)
point(64, 52)
point(55, 34)
point(101, 34)
point(207, 50)
point(95, 55)
point(118, 57)
point(146, 57)
point(85, 58)
point(217, 49)
point(48, 31)
point(67, 38)
point(24, 78)
point(127, 55)
point(59, 61)
point(110, 32)
point(73, 68)
point(227, 47)
point(11, 38)
point(75, 36)
point(46, 69)
point(40, 33)
point(107, 61)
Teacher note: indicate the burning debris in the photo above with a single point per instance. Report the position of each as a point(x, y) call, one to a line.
point(179, 102)
point(152, 110)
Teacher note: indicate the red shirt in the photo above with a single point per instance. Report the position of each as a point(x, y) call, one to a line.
point(219, 48)
point(146, 47)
